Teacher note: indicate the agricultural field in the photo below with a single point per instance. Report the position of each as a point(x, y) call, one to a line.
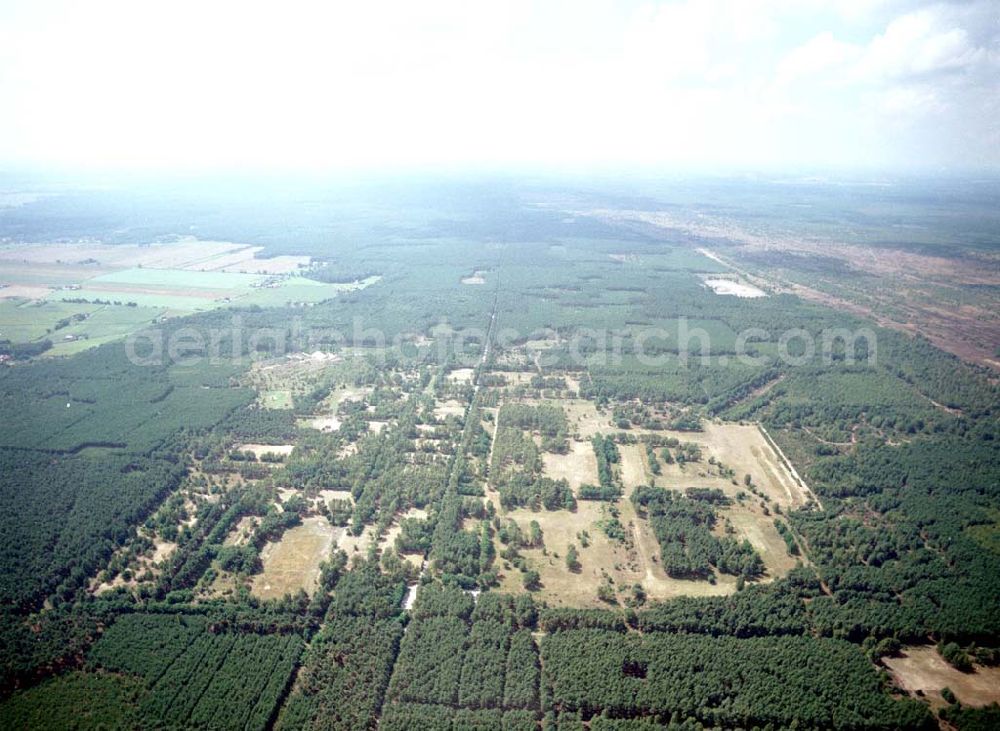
point(110, 291)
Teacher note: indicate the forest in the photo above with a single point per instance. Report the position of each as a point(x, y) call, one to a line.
point(143, 505)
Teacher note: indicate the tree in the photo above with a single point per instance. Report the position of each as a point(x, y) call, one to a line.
point(572, 559)
point(535, 534)
point(532, 580)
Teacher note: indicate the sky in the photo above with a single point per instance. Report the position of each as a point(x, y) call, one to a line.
point(682, 85)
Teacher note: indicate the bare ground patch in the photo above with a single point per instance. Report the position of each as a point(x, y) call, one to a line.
point(745, 450)
point(261, 449)
point(449, 408)
point(923, 669)
point(585, 419)
point(242, 532)
point(633, 463)
point(577, 467)
point(461, 375)
point(292, 563)
point(636, 561)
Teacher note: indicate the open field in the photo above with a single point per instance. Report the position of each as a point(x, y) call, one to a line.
point(742, 448)
point(108, 323)
point(22, 321)
point(260, 449)
point(449, 408)
point(293, 562)
point(185, 253)
point(636, 559)
point(173, 279)
point(634, 470)
point(577, 467)
point(922, 668)
point(170, 278)
point(633, 562)
point(585, 419)
point(358, 545)
point(461, 375)
point(70, 326)
point(297, 291)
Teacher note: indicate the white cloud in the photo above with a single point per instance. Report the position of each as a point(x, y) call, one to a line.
point(819, 54)
point(916, 43)
point(389, 83)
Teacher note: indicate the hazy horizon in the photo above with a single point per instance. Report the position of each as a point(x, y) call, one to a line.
point(718, 86)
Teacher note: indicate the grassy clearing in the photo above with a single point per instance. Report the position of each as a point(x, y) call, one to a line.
point(636, 559)
point(280, 399)
point(743, 449)
point(260, 449)
point(175, 303)
point(923, 669)
point(577, 467)
point(22, 321)
point(104, 325)
point(634, 472)
point(987, 535)
point(180, 279)
point(584, 418)
point(293, 562)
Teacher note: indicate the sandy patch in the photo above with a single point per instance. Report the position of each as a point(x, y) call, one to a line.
point(461, 375)
point(477, 277)
point(323, 423)
point(578, 467)
point(922, 668)
point(328, 495)
point(449, 408)
point(633, 466)
point(240, 535)
point(585, 419)
point(734, 288)
point(261, 449)
point(292, 563)
point(742, 448)
point(634, 562)
point(23, 291)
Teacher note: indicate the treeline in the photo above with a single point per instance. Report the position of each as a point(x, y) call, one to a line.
point(609, 487)
point(343, 680)
point(721, 681)
point(904, 548)
point(63, 516)
point(197, 677)
point(461, 654)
